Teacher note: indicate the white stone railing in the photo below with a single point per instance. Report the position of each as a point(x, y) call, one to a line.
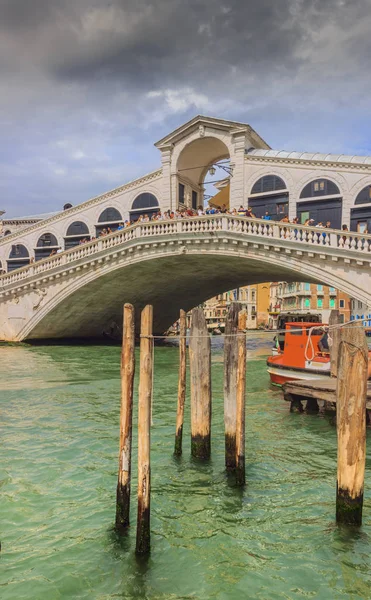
point(272, 230)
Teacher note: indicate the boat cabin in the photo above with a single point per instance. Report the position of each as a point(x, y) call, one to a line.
point(297, 343)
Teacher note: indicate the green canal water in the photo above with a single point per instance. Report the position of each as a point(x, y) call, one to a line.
point(276, 539)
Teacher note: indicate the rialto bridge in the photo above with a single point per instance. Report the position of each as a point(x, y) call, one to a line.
point(79, 292)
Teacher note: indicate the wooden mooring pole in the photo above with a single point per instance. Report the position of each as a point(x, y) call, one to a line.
point(126, 415)
point(200, 368)
point(334, 335)
point(144, 425)
point(241, 398)
point(351, 423)
point(230, 384)
point(181, 382)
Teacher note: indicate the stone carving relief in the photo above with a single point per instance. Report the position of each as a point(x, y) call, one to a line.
point(38, 297)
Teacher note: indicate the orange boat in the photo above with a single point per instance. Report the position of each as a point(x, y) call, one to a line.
point(305, 354)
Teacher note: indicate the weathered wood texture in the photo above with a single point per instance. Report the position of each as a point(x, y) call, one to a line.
point(334, 334)
point(351, 423)
point(230, 383)
point(144, 431)
point(181, 382)
point(200, 369)
point(126, 416)
point(241, 399)
point(320, 389)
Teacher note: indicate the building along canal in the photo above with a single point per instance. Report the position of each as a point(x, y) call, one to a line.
point(274, 539)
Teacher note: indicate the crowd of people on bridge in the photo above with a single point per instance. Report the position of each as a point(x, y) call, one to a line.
point(186, 213)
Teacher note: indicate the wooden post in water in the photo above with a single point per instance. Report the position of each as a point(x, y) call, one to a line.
point(334, 334)
point(351, 423)
point(230, 384)
point(241, 399)
point(200, 367)
point(144, 435)
point(181, 382)
point(126, 417)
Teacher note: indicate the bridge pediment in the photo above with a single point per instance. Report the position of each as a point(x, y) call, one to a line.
point(209, 126)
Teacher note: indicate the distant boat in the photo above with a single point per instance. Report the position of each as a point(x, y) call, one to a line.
point(305, 354)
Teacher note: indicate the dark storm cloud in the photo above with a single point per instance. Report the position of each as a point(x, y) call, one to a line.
point(140, 40)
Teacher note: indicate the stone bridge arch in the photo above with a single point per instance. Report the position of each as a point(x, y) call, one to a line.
point(86, 300)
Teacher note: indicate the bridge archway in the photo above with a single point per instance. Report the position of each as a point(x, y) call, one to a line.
point(76, 232)
point(360, 215)
point(109, 217)
point(45, 245)
point(322, 201)
point(270, 194)
point(145, 203)
point(192, 166)
point(18, 257)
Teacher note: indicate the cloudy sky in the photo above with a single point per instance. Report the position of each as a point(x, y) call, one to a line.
point(87, 87)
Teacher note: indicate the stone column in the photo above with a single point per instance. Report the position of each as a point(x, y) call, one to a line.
point(237, 161)
point(166, 200)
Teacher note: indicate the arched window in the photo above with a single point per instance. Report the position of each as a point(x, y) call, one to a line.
point(145, 203)
point(110, 218)
point(47, 240)
point(110, 215)
point(18, 257)
point(360, 217)
point(321, 210)
point(319, 187)
point(77, 228)
point(7, 232)
point(145, 200)
point(268, 197)
point(18, 251)
point(364, 196)
point(46, 244)
point(76, 233)
point(268, 183)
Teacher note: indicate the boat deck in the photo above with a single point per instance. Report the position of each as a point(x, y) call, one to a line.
point(323, 389)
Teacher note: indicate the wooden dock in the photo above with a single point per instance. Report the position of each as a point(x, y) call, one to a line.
point(314, 390)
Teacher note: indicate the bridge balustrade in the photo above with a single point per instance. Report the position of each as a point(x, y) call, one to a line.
point(299, 234)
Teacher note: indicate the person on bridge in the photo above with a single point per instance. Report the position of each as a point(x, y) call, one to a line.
point(266, 216)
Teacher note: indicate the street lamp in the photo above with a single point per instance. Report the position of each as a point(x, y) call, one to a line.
point(225, 168)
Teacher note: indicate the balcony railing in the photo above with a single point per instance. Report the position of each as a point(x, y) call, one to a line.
point(321, 239)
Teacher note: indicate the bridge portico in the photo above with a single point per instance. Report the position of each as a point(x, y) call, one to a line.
point(173, 265)
point(189, 151)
